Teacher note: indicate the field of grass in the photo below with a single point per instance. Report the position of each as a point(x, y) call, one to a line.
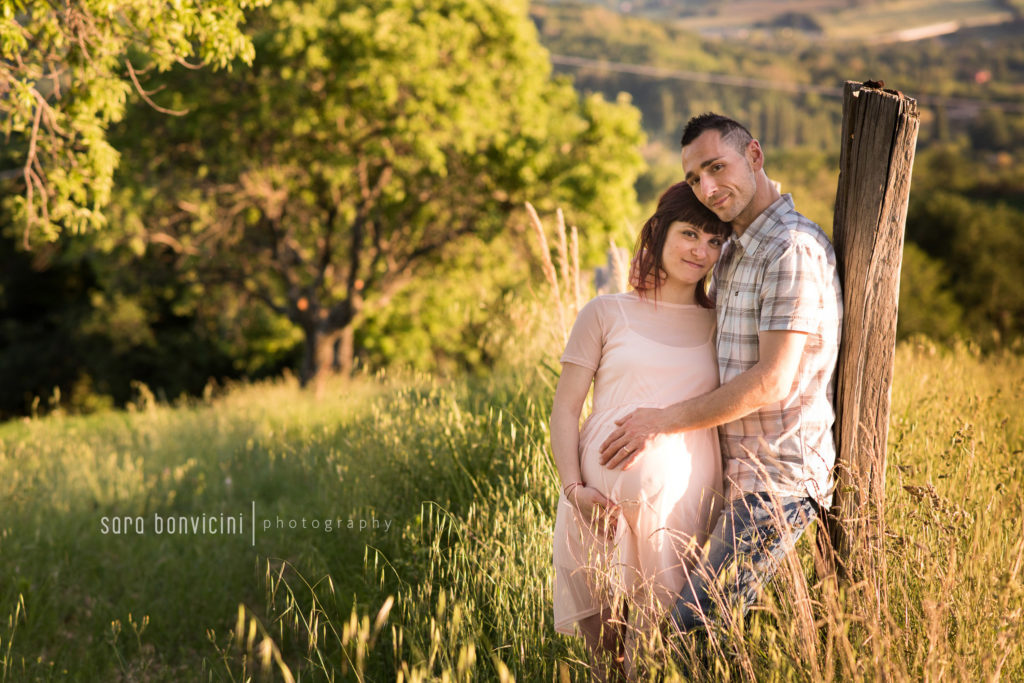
point(450, 577)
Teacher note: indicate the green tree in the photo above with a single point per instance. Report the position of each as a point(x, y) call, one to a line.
point(364, 145)
point(992, 131)
point(927, 305)
point(66, 71)
point(992, 244)
point(980, 246)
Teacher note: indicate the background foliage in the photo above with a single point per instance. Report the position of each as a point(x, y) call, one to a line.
point(66, 73)
point(353, 193)
point(365, 177)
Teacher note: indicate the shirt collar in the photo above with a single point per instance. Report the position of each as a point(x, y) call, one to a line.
point(758, 230)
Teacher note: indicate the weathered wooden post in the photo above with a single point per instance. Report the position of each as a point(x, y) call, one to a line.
point(877, 157)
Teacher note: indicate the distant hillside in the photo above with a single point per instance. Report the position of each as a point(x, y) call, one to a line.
point(857, 20)
point(969, 84)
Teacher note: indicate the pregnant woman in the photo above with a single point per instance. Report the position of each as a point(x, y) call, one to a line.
point(624, 537)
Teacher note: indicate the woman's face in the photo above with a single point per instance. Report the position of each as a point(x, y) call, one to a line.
point(689, 253)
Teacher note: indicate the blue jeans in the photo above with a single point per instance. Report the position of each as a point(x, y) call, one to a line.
point(752, 536)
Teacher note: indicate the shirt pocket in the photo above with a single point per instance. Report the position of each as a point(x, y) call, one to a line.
point(744, 308)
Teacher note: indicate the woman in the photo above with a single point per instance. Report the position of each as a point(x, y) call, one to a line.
point(624, 537)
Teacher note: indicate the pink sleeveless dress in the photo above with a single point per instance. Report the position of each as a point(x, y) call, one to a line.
point(644, 354)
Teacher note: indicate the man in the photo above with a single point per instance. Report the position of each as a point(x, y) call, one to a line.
point(779, 311)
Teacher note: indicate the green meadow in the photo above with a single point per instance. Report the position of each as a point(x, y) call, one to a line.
point(449, 578)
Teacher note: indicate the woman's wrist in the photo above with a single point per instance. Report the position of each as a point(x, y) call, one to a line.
point(571, 486)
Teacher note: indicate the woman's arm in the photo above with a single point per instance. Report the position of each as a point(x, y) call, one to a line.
point(573, 385)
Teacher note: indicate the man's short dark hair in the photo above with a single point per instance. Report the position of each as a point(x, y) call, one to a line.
point(731, 131)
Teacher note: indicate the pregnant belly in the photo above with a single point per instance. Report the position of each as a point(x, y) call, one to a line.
point(670, 464)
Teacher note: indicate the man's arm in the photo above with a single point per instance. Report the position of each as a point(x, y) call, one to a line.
point(768, 381)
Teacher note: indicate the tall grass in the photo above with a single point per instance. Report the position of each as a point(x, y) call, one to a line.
point(459, 587)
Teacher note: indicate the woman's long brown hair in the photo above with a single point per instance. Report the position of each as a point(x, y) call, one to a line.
point(677, 203)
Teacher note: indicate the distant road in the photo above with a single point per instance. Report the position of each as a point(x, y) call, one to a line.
point(964, 105)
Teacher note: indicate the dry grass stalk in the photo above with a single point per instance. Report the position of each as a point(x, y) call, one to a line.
point(574, 248)
point(570, 275)
point(620, 269)
point(547, 265)
point(563, 255)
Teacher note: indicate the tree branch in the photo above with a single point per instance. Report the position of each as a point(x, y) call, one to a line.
point(424, 250)
point(145, 95)
point(221, 274)
point(170, 241)
point(368, 195)
point(29, 174)
point(189, 65)
point(285, 257)
point(326, 250)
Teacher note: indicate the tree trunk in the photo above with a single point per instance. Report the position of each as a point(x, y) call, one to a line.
point(344, 361)
point(328, 350)
point(878, 143)
point(318, 356)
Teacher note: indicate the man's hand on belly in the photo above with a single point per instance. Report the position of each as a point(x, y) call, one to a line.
point(634, 432)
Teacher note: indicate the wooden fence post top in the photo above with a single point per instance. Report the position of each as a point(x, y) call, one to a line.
point(879, 136)
point(878, 87)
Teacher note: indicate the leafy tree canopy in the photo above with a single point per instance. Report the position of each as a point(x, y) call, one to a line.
point(361, 149)
point(66, 71)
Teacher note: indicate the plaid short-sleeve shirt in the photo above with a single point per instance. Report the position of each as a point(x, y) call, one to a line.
point(780, 275)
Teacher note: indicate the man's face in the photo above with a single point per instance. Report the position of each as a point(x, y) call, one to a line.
point(721, 176)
